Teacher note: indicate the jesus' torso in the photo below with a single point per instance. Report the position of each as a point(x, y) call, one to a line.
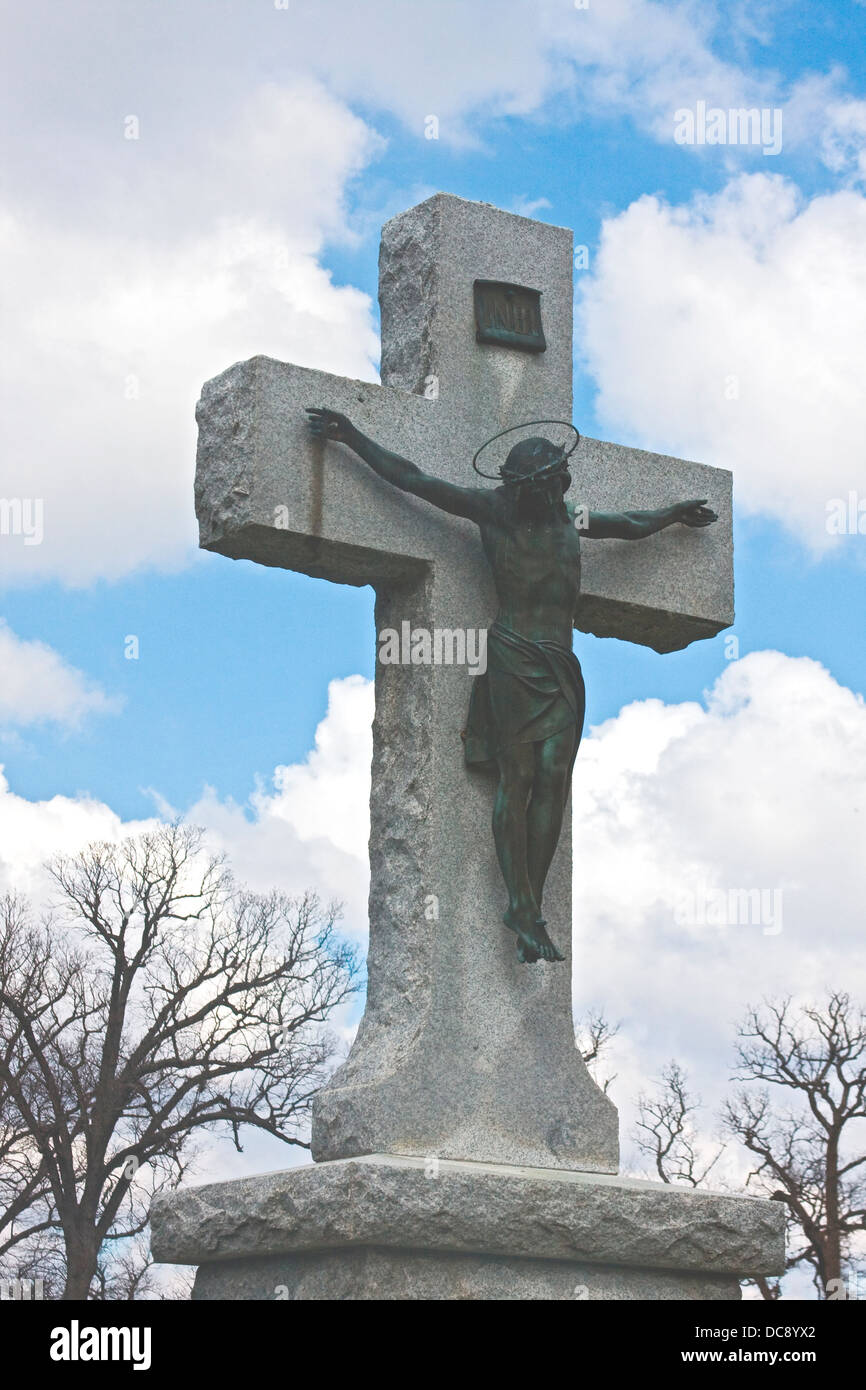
point(536, 569)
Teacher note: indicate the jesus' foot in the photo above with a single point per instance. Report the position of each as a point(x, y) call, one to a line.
point(533, 943)
point(525, 954)
point(544, 945)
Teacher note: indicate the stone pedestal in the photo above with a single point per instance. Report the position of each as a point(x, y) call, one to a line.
point(391, 1227)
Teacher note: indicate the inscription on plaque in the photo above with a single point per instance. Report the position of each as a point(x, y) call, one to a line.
point(508, 315)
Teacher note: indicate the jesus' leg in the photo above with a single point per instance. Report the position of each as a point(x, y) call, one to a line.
point(554, 759)
point(516, 775)
point(516, 770)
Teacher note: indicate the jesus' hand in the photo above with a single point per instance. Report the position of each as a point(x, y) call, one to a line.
point(329, 424)
point(695, 513)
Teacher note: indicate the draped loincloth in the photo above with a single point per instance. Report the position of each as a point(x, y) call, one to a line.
point(529, 691)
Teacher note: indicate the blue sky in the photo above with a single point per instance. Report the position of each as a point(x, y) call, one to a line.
point(245, 218)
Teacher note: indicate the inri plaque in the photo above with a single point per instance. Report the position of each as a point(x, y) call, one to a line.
point(508, 315)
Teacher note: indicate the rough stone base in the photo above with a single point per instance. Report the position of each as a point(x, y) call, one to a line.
point(388, 1226)
point(379, 1274)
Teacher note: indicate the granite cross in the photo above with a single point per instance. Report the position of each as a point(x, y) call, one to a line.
point(462, 1053)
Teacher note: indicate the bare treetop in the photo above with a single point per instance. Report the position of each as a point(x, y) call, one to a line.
point(173, 1002)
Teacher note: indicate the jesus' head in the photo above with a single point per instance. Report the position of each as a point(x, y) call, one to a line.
point(535, 472)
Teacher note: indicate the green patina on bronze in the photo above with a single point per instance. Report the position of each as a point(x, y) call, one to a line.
point(526, 711)
point(508, 316)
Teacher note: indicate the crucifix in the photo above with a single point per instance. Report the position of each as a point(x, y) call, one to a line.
point(463, 1053)
point(526, 713)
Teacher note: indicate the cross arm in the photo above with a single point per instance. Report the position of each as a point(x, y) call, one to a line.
point(675, 588)
point(269, 490)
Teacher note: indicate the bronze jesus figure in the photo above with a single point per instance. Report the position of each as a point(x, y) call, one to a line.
point(526, 712)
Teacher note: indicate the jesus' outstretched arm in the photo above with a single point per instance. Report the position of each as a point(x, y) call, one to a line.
point(635, 526)
point(471, 502)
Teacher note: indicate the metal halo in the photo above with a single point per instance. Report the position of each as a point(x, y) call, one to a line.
point(497, 477)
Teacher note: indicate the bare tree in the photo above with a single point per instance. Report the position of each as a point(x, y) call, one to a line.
point(666, 1133)
point(811, 1154)
point(807, 1133)
point(34, 968)
point(171, 1003)
point(593, 1035)
point(125, 1270)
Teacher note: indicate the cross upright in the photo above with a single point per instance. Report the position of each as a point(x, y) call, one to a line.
point(462, 1052)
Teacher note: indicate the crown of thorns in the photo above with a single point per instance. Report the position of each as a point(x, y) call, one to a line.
point(544, 469)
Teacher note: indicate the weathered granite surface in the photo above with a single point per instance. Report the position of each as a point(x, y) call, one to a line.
point(368, 1273)
point(401, 1203)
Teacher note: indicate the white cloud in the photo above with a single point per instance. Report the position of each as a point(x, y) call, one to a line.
point(762, 788)
point(37, 686)
point(529, 207)
point(115, 330)
point(311, 829)
point(32, 832)
point(844, 139)
point(730, 330)
point(308, 830)
point(821, 118)
point(514, 57)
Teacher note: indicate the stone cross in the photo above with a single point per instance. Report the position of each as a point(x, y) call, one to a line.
point(462, 1053)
